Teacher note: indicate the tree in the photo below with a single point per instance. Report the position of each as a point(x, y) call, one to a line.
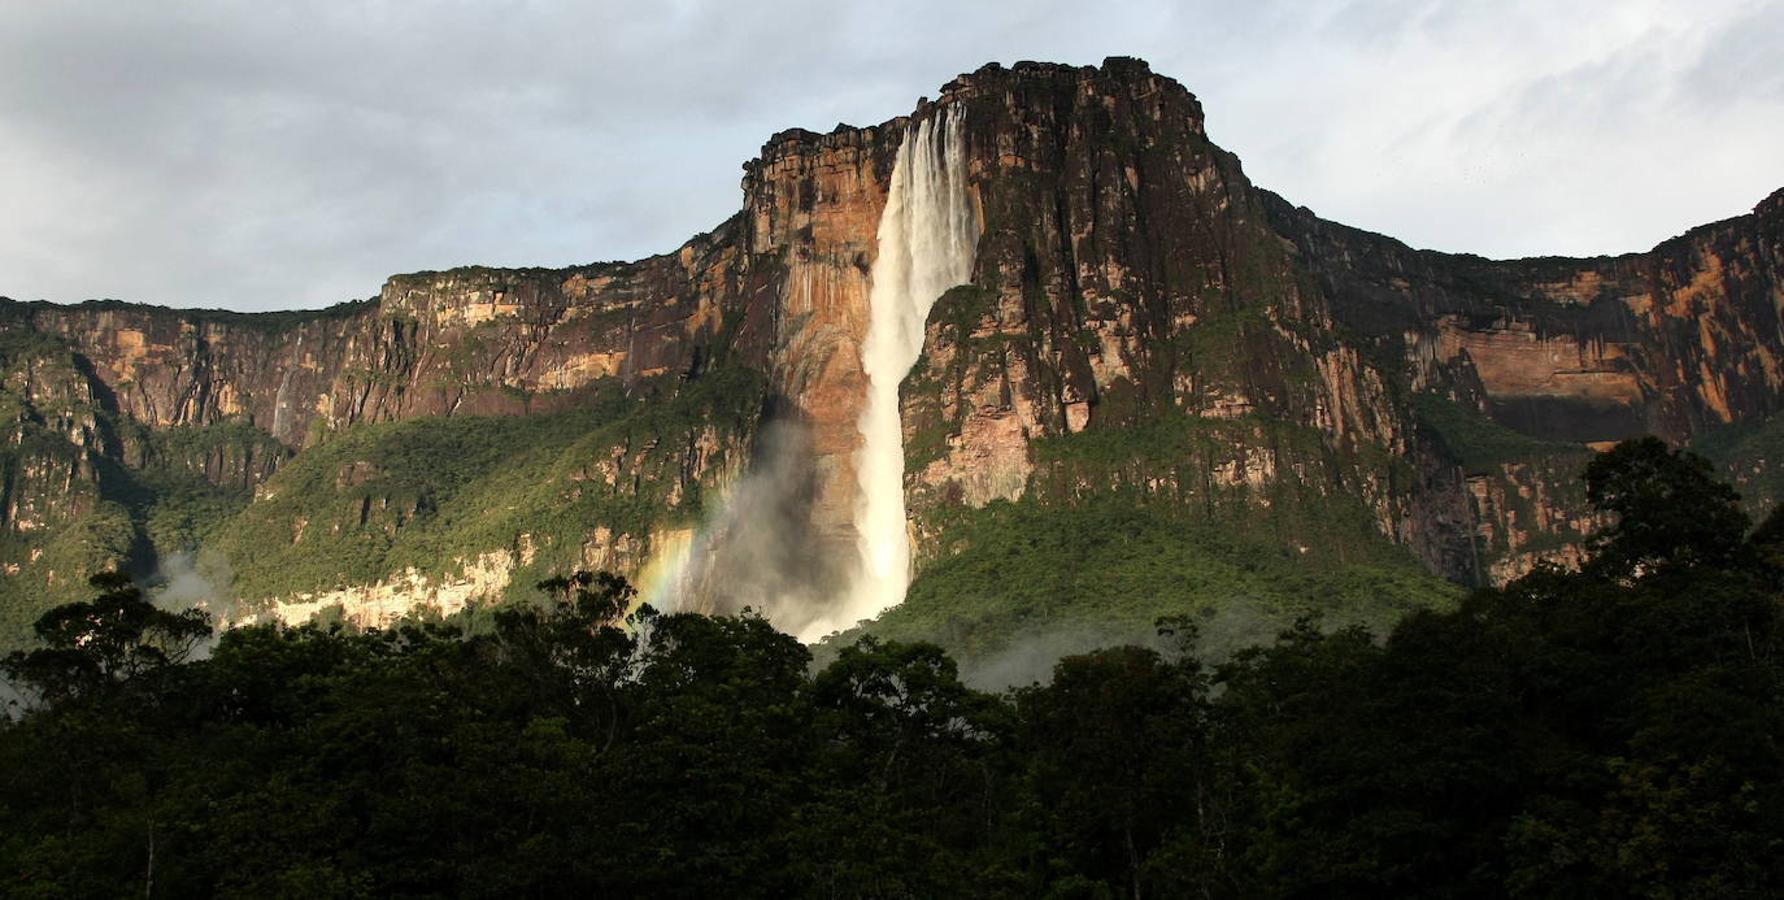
point(116, 636)
point(910, 792)
point(1118, 766)
point(1767, 545)
point(1671, 512)
point(601, 598)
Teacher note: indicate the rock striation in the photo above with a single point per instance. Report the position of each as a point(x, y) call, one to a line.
point(1140, 317)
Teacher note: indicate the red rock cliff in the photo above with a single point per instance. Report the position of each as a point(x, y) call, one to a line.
point(1130, 279)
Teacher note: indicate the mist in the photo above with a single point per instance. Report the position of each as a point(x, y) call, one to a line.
point(199, 580)
point(1217, 632)
point(760, 549)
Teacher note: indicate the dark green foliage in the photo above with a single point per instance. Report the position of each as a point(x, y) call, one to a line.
point(1607, 733)
point(914, 767)
point(116, 635)
point(274, 321)
point(1746, 455)
point(1112, 566)
point(1478, 443)
point(1139, 722)
point(1613, 732)
point(96, 541)
point(1671, 512)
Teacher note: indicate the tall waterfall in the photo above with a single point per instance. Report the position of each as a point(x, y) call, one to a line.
point(927, 238)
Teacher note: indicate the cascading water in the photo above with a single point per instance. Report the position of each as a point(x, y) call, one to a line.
point(927, 239)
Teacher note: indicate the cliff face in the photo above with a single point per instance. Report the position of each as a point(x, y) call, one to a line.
point(466, 342)
point(1683, 341)
point(1128, 279)
point(1142, 322)
point(1671, 342)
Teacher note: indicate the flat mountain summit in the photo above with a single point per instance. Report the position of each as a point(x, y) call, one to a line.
point(1163, 390)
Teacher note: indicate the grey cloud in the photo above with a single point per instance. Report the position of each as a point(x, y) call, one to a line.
point(259, 156)
point(1741, 61)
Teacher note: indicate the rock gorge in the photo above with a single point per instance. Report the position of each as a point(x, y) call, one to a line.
point(1140, 323)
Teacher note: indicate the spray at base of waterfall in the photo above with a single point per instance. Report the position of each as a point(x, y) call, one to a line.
point(758, 549)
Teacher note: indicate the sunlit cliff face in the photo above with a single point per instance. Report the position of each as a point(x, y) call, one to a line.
point(927, 238)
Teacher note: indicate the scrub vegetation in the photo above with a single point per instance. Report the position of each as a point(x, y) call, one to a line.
point(1605, 732)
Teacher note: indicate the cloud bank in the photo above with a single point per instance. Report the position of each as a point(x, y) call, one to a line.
point(266, 156)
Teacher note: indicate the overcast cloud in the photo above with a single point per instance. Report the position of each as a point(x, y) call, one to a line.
point(258, 155)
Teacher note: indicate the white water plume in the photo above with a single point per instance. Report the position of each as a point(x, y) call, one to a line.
point(927, 239)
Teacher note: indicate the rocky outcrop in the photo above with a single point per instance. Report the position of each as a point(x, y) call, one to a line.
point(813, 206)
point(1676, 341)
point(1530, 513)
point(379, 605)
point(470, 341)
point(1141, 318)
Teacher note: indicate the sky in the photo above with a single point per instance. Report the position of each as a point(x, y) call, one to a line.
point(256, 156)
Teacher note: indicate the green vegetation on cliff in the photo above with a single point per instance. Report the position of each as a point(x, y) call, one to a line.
point(1751, 457)
point(1243, 524)
point(1478, 443)
point(1605, 733)
point(1017, 572)
point(86, 489)
point(433, 493)
point(56, 561)
point(57, 524)
point(89, 512)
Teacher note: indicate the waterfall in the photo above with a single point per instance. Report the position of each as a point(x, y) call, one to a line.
point(927, 238)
